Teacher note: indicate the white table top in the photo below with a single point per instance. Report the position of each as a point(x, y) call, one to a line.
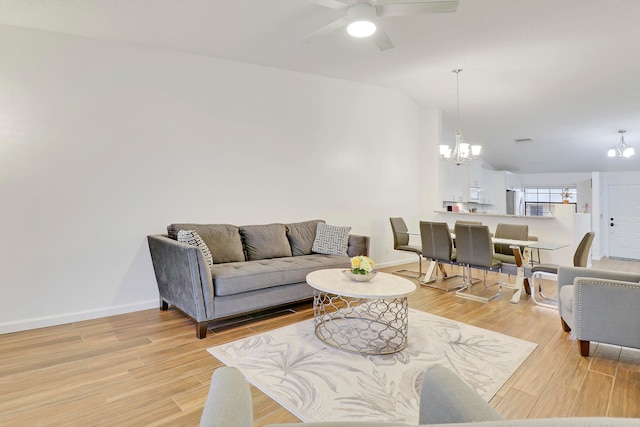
point(383, 286)
point(534, 244)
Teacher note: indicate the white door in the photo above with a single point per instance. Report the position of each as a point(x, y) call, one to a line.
point(624, 221)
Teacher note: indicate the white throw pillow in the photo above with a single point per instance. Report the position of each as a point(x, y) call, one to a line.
point(194, 239)
point(331, 239)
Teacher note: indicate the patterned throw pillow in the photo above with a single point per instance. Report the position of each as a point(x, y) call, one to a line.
point(194, 239)
point(331, 239)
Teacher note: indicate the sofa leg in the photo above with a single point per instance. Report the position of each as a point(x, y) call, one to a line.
point(584, 348)
point(201, 329)
point(565, 327)
point(164, 306)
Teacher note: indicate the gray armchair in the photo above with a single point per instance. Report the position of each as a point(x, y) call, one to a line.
point(600, 305)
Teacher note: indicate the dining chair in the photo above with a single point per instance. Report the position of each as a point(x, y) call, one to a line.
point(401, 243)
point(504, 252)
point(474, 249)
point(437, 246)
point(550, 271)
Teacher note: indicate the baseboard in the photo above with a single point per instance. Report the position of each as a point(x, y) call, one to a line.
point(61, 319)
point(411, 260)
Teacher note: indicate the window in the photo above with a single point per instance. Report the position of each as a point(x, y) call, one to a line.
point(538, 201)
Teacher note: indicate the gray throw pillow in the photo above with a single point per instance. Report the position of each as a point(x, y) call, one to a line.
point(331, 239)
point(301, 236)
point(192, 238)
point(223, 240)
point(265, 241)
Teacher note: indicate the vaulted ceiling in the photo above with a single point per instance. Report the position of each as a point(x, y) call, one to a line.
point(564, 73)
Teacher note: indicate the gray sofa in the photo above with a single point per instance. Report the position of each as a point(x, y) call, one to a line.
point(250, 268)
point(600, 305)
point(445, 399)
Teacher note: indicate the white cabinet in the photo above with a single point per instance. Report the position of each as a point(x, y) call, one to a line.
point(467, 183)
point(454, 182)
point(475, 173)
point(486, 197)
point(513, 181)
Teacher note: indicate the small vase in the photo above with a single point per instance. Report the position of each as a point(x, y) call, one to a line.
point(566, 202)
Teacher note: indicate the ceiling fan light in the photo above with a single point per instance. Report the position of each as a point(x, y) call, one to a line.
point(361, 29)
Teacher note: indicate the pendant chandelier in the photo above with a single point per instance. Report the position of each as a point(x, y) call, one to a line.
point(622, 150)
point(461, 151)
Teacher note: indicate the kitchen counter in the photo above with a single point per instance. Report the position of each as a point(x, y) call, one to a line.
point(495, 215)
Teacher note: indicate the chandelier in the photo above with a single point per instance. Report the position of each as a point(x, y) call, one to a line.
point(461, 151)
point(622, 150)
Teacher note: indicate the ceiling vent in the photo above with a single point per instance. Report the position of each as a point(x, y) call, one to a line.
point(523, 140)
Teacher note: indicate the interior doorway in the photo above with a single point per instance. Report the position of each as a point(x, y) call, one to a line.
point(624, 221)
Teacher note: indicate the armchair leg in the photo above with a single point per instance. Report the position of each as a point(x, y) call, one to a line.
point(584, 348)
point(565, 327)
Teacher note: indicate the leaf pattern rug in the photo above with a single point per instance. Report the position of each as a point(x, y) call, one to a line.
point(316, 382)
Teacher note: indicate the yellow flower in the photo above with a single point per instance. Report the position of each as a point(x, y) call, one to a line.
point(362, 264)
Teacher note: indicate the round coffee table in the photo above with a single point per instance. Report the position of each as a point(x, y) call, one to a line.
point(361, 317)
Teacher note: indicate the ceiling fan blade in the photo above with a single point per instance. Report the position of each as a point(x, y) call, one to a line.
point(409, 7)
point(331, 4)
point(382, 39)
point(327, 29)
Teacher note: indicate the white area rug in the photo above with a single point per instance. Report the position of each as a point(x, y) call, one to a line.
point(316, 382)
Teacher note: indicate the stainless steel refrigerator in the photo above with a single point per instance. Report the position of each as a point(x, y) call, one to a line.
point(515, 202)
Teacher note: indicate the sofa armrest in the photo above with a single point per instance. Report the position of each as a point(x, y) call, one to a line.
point(358, 245)
point(183, 276)
point(229, 400)
point(445, 398)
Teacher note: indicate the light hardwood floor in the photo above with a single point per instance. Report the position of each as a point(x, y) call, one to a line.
point(148, 368)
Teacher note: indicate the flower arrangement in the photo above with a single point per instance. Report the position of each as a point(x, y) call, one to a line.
point(566, 194)
point(362, 265)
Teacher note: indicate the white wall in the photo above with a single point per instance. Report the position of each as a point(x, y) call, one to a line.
point(103, 143)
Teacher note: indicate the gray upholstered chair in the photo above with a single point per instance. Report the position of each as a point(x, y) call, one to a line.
point(474, 249)
point(599, 305)
point(401, 243)
point(550, 271)
point(437, 246)
point(445, 400)
point(504, 252)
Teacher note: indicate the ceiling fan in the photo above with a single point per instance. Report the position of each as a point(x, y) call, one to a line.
point(362, 16)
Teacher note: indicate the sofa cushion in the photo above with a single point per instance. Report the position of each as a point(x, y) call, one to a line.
point(192, 238)
point(223, 240)
point(301, 236)
point(238, 277)
point(331, 239)
point(265, 241)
